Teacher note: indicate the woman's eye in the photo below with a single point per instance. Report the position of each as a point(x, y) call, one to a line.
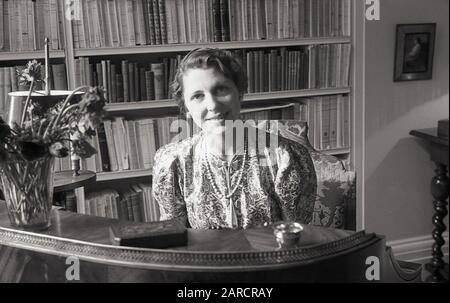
point(221, 90)
point(197, 97)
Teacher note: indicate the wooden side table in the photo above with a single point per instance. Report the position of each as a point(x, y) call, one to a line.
point(65, 180)
point(439, 191)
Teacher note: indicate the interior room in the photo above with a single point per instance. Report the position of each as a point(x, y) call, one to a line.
point(116, 164)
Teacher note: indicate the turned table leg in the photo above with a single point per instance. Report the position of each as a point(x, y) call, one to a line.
point(439, 190)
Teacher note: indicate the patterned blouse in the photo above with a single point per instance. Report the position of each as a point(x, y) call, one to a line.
point(273, 186)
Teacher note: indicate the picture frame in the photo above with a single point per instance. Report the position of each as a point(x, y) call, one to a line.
point(414, 51)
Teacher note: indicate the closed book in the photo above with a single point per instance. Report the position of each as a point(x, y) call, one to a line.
point(162, 21)
point(131, 89)
point(156, 21)
point(163, 234)
point(137, 92)
point(71, 202)
point(150, 85)
point(217, 21)
point(143, 90)
point(150, 21)
point(103, 148)
point(158, 72)
point(119, 89)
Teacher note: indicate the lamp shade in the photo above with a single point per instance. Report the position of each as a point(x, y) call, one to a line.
point(18, 99)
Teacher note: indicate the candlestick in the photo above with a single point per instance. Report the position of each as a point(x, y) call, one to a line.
point(47, 66)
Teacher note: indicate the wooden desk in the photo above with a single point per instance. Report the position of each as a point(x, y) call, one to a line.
point(439, 191)
point(325, 255)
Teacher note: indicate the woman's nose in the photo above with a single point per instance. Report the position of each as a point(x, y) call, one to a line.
point(211, 102)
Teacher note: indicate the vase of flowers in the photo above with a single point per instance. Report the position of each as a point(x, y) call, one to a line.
point(50, 126)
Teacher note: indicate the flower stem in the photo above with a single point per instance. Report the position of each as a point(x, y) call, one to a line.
point(67, 102)
point(62, 111)
point(27, 102)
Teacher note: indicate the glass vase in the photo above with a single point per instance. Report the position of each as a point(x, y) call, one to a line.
point(28, 190)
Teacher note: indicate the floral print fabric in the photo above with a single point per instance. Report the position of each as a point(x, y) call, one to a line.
point(276, 184)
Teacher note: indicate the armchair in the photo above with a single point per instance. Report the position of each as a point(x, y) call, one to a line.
point(335, 204)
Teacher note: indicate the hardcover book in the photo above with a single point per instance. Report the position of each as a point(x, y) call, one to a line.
point(162, 234)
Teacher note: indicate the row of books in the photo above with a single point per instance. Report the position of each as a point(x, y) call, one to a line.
point(133, 204)
point(128, 81)
point(116, 23)
point(328, 119)
point(315, 66)
point(288, 19)
point(24, 24)
point(9, 81)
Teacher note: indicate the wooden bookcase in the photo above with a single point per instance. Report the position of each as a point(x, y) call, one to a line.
point(147, 108)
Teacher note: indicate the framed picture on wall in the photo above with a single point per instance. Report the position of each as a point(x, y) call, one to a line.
point(414, 51)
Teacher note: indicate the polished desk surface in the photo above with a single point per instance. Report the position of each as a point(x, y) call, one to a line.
point(73, 226)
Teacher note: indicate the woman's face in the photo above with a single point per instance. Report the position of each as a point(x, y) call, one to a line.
point(210, 98)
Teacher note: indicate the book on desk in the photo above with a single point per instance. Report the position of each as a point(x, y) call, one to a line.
point(162, 234)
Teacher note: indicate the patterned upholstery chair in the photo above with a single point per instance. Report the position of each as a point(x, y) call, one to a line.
point(335, 204)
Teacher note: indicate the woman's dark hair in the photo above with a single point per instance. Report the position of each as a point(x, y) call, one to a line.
point(223, 61)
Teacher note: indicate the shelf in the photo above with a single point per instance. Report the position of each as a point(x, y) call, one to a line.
point(167, 48)
point(126, 174)
point(12, 56)
point(145, 105)
point(336, 151)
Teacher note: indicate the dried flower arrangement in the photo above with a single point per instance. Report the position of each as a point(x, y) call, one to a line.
point(45, 131)
point(52, 131)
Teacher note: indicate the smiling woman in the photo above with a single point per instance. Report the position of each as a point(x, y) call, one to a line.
point(213, 180)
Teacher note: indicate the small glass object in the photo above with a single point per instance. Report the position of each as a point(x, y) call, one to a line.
point(287, 234)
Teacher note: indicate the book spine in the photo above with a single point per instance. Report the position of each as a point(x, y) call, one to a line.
point(162, 21)
point(2, 31)
point(130, 23)
point(158, 73)
point(150, 85)
point(142, 83)
point(113, 83)
point(126, 90)
point(120, 89)
point(137, 92)
point(217, 21)
point(6, 31)
point(150, 21)
point(131, 82)
point(224, 18)
point(113, 157)
point(158, 38)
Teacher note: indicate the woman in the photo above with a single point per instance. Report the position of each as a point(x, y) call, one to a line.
point(209, 183)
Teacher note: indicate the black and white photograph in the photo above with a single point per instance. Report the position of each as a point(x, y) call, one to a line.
point(414, 51)
point(224, 148)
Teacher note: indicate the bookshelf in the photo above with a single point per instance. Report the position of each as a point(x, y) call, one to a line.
point(120, 175)
point(174, 48)
point(327, 25)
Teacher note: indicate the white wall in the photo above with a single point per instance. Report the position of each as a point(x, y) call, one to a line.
point(398, 172)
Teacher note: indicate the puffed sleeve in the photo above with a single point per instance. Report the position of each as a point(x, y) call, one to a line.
point(295, 181)
point(167, 184)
